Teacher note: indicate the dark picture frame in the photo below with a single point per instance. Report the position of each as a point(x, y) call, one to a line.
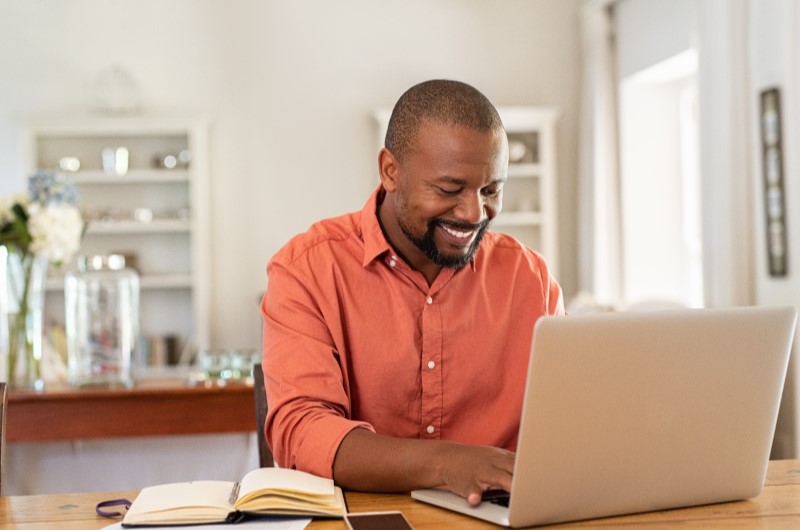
point(774, 193)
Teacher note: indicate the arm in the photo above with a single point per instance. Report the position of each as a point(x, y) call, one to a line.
point(309, 408)
point(370, 462)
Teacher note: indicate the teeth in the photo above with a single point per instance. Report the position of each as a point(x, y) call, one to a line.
point(456, 233)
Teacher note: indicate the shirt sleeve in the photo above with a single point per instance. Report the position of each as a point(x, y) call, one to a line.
point(555, 298)
point(309, 406)
point(551, 290)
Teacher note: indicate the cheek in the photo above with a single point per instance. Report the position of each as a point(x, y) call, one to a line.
point(408, 213)
point(421, 207)
point(494, 205)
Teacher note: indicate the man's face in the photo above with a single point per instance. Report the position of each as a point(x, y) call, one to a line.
point(450, 187)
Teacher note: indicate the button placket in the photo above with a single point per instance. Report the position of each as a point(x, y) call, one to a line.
point(431, 374)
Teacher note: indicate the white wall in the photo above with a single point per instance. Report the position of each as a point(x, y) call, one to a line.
point(289, 86)
point(775, 62)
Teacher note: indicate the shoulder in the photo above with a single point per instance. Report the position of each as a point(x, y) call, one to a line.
point(511, 265)
point(508, 252)
point(325, 236)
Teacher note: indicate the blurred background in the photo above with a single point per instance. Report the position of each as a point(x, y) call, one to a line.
point(289, 89)
point(676, 140)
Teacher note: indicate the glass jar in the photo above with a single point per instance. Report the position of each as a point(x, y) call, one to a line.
point(102, 321)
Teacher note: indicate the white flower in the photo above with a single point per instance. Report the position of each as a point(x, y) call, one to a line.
point(45, 222)
point(55, 231)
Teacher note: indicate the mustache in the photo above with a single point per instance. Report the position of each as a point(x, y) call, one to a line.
point(459, 225)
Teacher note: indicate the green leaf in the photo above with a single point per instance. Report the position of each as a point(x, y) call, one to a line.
point(22, 238)
point(19, 212)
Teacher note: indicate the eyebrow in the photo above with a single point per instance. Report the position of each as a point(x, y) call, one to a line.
point(462, 182)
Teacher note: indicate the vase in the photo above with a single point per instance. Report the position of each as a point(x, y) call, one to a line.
point(22, 290)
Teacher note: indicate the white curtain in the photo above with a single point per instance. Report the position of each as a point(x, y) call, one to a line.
point(599, 227)
point(725, 153)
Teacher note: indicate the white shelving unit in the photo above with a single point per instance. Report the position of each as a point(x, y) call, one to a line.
point(529, 196)
point(158, 215)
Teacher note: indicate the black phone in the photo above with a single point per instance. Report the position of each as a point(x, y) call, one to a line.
point(390, 520)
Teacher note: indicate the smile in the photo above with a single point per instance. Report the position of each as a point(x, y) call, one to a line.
point(457, 233)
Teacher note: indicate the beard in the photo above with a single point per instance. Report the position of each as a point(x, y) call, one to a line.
point(428, 246)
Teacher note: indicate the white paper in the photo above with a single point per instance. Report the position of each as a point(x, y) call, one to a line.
point(266, 523)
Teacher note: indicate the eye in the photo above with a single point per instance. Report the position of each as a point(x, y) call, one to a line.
point(492, 191)
point(449, 192)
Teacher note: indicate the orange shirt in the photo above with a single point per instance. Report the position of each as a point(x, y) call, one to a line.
point(353, 337)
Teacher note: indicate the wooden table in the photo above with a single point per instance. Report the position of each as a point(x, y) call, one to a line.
point(165, 408)
point(778, 506)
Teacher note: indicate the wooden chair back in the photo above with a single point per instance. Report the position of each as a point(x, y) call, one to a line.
point(264, 453)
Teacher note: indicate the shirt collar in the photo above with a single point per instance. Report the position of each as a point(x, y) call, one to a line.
point(375, 243)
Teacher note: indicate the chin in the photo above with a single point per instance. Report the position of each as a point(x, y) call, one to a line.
point(454, 261)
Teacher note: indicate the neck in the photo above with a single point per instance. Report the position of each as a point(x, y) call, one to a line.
point(417, 260)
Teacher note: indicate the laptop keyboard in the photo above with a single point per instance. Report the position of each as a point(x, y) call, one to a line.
point(498, 497)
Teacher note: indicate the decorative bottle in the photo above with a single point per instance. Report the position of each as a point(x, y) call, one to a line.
point(101, 302)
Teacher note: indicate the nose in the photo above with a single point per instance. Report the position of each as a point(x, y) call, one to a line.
point(474, 208)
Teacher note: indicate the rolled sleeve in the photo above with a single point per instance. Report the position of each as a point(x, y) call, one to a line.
point(309, 406)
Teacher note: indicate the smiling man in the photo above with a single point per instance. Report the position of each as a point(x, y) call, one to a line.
point(442, 191)
point(396, 339)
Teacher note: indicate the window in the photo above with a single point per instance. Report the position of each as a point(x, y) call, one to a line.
point(660, 183)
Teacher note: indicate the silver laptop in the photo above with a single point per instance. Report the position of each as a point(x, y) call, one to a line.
point(642, 411)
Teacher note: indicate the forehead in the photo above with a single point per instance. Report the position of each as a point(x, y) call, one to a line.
point(444, 142)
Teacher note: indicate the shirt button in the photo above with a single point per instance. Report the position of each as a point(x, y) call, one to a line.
point(431, 364)
point(429, 300)
point(430, 429)
point(392, 262)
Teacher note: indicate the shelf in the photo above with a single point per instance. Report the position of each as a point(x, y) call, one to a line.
point(137, 227)
point(159, 215)
point(518, 219)
point(165, 281)
point(134, 176)
point(148, 281)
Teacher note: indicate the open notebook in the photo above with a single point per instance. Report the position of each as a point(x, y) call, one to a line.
point(642, 411)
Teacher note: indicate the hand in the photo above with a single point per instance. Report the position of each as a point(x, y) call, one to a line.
point(469, 470)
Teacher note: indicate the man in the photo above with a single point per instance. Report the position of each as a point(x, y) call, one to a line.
point(396, 339)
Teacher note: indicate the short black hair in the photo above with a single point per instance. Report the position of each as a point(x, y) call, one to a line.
point(441, 101)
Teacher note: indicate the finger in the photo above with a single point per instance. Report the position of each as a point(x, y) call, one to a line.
point(474, 498)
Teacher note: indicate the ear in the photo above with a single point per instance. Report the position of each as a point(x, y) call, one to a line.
point(389, 169)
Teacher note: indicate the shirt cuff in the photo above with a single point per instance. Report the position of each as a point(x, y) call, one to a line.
point(316, 453)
